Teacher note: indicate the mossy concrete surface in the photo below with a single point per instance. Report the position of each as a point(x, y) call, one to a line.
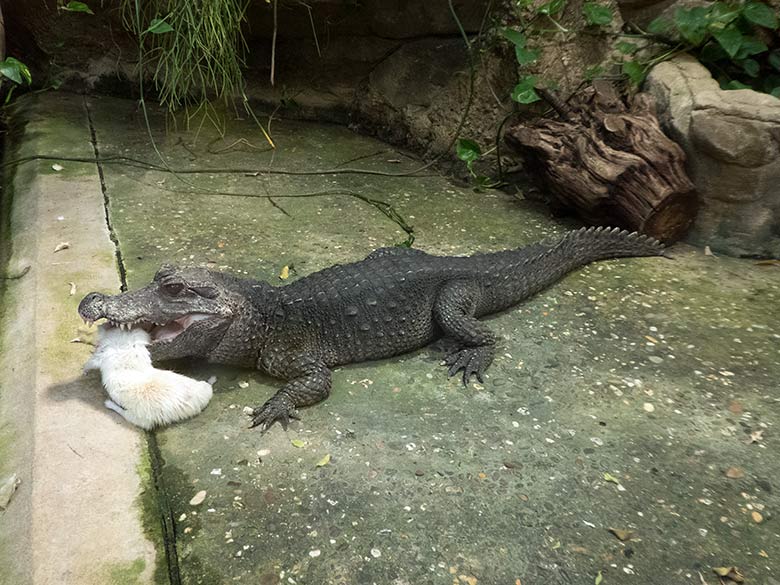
point(74, 518)
point(637, 395)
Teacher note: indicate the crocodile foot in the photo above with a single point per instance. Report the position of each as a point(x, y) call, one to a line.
point(472, 360)
point(277, 408)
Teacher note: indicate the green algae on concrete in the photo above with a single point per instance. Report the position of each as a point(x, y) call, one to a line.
point(151, 509)
point(661, 374)
point(126, 573)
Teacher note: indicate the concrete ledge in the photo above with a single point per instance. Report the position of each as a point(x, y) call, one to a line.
point(75, 518)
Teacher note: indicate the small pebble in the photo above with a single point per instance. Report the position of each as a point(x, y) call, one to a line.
point(198, 498)
point(376, 553)
point(655, 359)
point(648, 407)
point(315, 553)
point(757, 517)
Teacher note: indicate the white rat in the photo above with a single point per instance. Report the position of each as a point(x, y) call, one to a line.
point(143, 395)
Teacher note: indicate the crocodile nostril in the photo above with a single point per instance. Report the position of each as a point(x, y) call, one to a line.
point(90, 303)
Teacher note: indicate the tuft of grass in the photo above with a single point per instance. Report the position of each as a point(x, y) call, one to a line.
point(193, 51)
point(199, 55)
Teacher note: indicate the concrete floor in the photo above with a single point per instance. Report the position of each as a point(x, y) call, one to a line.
point(638, 395)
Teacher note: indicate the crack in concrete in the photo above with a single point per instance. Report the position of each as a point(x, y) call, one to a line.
point(93, 139)
point(167, 521)
point(166, 512)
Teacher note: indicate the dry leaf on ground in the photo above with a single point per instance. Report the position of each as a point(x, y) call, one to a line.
point(621, 534)
point(735, 473)
point(731, 573)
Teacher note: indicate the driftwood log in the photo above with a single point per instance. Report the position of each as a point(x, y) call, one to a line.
point(610, 163)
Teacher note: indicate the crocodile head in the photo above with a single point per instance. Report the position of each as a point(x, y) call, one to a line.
point(186, 311)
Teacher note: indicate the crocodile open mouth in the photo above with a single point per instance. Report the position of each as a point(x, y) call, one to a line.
point(160, 331)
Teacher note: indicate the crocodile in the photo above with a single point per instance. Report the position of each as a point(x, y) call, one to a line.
point(394, 301)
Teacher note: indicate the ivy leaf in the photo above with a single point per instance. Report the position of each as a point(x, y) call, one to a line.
point(77, 7)
point(526, 56)
point(599, 579)
point(524, 92)
point(760, 14)
point(774, 59)
point(660, 26)
point(711, 53)
point(722, 14)
point(467, 150)
point(734, 84)
point(552, 7)
point(751, 46)
point(635, 71)
point(513, 36)
point(158, 26)
point(597, 14)
point(15, 70)
point(324, 461)
point(692, 24)
point(297, 443)
point(627, 48)
point(730, 38)
point(750, 66)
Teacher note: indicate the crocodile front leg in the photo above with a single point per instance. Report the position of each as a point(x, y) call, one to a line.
point(308, 383)
point(454, 310)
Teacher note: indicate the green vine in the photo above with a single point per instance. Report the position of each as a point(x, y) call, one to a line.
point(730, 39)
point(16, 72)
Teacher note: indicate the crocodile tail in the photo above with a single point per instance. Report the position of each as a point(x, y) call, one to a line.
point(541, 265)
point(551, 261)
point(599, 243)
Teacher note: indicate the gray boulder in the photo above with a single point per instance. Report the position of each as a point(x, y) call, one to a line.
point(732, 141)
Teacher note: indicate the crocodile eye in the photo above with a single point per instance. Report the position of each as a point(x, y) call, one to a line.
point(173, 288)
point(207, 292)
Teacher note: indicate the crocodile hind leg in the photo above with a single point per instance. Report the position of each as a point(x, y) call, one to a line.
point(454, 310)
point(308, 383)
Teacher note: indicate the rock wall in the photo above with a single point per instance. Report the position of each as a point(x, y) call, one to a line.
point(732, 140)
point(398, 70)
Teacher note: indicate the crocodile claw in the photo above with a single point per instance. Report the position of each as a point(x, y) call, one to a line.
point(472, 360)
point(277, 409)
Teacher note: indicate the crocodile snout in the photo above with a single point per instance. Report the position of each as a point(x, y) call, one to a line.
point(92, 306)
